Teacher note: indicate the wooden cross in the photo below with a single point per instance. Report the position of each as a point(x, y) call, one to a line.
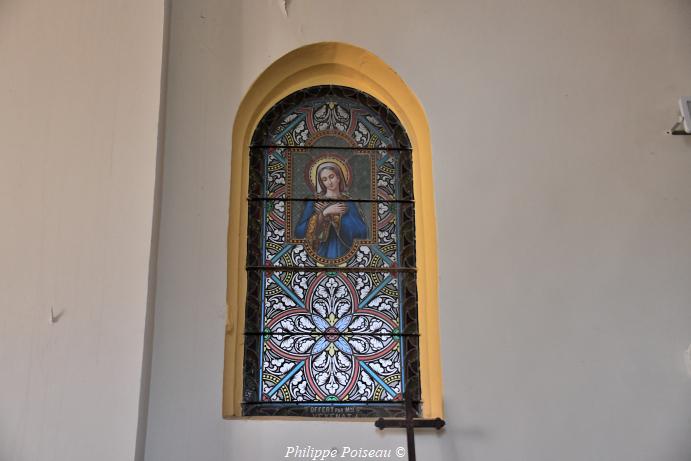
point(410, 422)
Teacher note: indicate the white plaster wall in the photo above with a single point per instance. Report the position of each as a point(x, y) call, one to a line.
point(79, 99)
point(564, 218)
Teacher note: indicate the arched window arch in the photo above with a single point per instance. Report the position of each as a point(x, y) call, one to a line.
point(290, 344)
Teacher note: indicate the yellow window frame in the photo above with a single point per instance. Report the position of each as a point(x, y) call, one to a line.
point(336, 64)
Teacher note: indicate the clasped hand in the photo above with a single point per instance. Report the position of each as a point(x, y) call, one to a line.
point(334, 209)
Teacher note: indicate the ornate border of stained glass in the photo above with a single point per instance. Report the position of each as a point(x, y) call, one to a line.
point(331, 310)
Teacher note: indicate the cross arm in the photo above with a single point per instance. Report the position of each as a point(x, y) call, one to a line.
point(383, 423)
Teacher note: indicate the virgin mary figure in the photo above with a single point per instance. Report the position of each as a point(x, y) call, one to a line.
point(330, 226)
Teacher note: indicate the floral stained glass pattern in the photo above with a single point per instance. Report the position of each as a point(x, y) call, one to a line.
point(331, 312)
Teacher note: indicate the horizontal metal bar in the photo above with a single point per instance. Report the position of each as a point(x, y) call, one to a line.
point(383, 423)
point(324, 199)
point(329, 269)
point(324, 402)
point(389, 149)
point(378, 335)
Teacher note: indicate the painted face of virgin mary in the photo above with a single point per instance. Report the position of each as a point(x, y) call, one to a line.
point(330, 179)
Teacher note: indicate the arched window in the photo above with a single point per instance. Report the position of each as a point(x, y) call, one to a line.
point(369, 86)
point(331, 310)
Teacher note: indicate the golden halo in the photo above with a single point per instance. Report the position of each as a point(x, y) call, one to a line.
point(329, 158)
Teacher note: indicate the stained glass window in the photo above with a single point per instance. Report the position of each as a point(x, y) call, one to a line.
point(331, 310)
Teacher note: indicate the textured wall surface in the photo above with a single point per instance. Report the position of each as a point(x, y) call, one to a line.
point(79, 101)
point(563, 211)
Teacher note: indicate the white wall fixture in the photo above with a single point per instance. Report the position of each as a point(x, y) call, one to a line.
point(683, 126)
point(685, 109)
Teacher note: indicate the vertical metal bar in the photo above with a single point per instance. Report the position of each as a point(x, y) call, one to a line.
point(411, 443)
point(410, 425)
